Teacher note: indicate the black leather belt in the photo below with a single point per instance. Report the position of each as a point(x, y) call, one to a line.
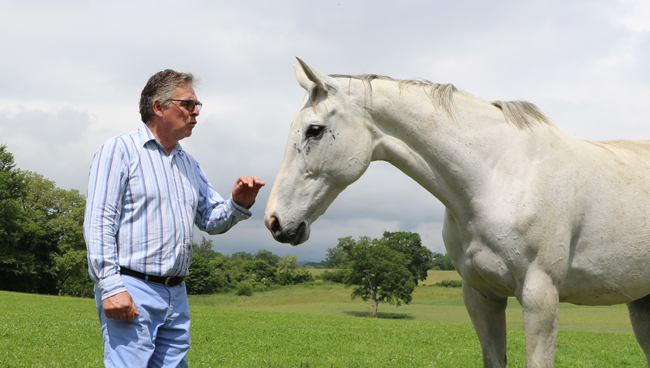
point(167, 281)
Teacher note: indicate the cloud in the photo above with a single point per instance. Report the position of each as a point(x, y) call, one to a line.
point(73, 72)
point(48, 142)
point(635, 15)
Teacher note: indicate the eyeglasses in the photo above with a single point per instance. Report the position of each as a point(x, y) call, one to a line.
point(189, 104)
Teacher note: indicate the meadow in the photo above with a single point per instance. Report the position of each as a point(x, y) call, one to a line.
point(315, 325)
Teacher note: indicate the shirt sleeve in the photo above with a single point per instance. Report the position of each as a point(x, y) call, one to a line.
point(106, 184)
point(214, 214)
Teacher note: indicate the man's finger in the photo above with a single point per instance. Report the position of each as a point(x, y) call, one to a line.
point(133, 312)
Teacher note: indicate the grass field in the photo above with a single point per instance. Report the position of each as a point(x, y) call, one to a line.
point(315, 325)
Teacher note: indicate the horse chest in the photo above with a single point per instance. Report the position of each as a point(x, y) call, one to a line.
point(485, 264)
point(487, 270)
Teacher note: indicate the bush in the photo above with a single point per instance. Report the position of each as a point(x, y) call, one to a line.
point(258, 286)
point(258, 269)
point(296, 276)
point(245, 288)
point(450, 283)
point(332, 276)
point(201, 278)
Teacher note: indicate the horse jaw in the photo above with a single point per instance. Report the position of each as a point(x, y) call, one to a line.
point(290, 221)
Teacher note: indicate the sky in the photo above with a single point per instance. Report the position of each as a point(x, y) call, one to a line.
point(71, 73)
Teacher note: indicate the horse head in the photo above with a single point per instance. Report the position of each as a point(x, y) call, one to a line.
point(329, 147)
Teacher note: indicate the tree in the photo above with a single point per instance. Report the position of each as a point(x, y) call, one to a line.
point(53, 234)
point(41, 234)
point(244, 256)
point(380, 273)
point(335, 257)
point(288, 263)
point(442, 262)
point(201, 279)
point(207, 270)
point(290, 272)
point(204, 250)
point(259, 271)
point(420, 258)
point(71, 260)
point(15, 262)
point(267, 256)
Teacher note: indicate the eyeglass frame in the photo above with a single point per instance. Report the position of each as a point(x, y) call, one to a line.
point(198, 104)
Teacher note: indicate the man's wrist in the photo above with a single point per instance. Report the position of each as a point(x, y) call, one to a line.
point(110, 286)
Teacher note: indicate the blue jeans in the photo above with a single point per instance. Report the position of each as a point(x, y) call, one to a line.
point(159, 337)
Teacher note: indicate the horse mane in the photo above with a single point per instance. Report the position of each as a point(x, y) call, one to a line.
point(522, 114)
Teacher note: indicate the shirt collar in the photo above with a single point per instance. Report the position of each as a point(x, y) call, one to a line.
point(147, 136)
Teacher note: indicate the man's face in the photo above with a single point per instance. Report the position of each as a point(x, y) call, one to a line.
point(177, 120)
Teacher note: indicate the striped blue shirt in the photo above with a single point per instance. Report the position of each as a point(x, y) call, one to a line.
point(141, 207)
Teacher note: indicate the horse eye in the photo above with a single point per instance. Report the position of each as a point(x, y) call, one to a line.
point(314, 132)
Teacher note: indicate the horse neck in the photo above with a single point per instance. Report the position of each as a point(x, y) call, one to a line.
point(453, 156)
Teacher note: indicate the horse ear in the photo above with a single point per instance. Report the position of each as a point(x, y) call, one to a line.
point(302, 78)
point(324, 81)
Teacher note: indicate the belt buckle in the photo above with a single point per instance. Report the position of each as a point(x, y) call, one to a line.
point(173, 281)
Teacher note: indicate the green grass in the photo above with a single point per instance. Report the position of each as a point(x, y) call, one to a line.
point(48, 331)
point(430, 304)
point(315, 325)
point(242, 338)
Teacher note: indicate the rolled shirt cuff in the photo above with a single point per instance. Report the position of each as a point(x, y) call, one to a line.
point(243, 212)
point(111, 285)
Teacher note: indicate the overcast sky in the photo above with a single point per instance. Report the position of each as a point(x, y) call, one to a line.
point(72, 72)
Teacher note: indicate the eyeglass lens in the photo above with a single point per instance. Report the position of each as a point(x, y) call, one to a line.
point(192, 103)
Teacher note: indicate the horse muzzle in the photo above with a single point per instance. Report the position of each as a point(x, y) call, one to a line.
point(293, 235)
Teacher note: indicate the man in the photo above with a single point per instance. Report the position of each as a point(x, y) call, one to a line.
point(144, 195)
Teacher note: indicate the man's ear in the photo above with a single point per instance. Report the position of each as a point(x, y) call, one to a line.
point(157, 107)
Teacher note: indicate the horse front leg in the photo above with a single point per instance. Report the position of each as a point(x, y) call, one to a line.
point(540, 303)
point(640, 318)
point(489, 319)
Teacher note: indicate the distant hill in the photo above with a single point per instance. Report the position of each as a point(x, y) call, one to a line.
point(320, 264)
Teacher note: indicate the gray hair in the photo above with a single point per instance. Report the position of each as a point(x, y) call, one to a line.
point(161, 87)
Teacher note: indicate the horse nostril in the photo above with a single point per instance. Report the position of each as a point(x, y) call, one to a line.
point(274, 224)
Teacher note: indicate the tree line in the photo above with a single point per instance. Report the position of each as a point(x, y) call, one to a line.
point(42, 250)
point(212, 272)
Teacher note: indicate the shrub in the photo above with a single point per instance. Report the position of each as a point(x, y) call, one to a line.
point(245, 288)
point(259, 269)
point(296, 276)
point(450, 283)
point(258, 286)
point(332, 276)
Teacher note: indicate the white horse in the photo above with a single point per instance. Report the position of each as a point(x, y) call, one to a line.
point(530, 212)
